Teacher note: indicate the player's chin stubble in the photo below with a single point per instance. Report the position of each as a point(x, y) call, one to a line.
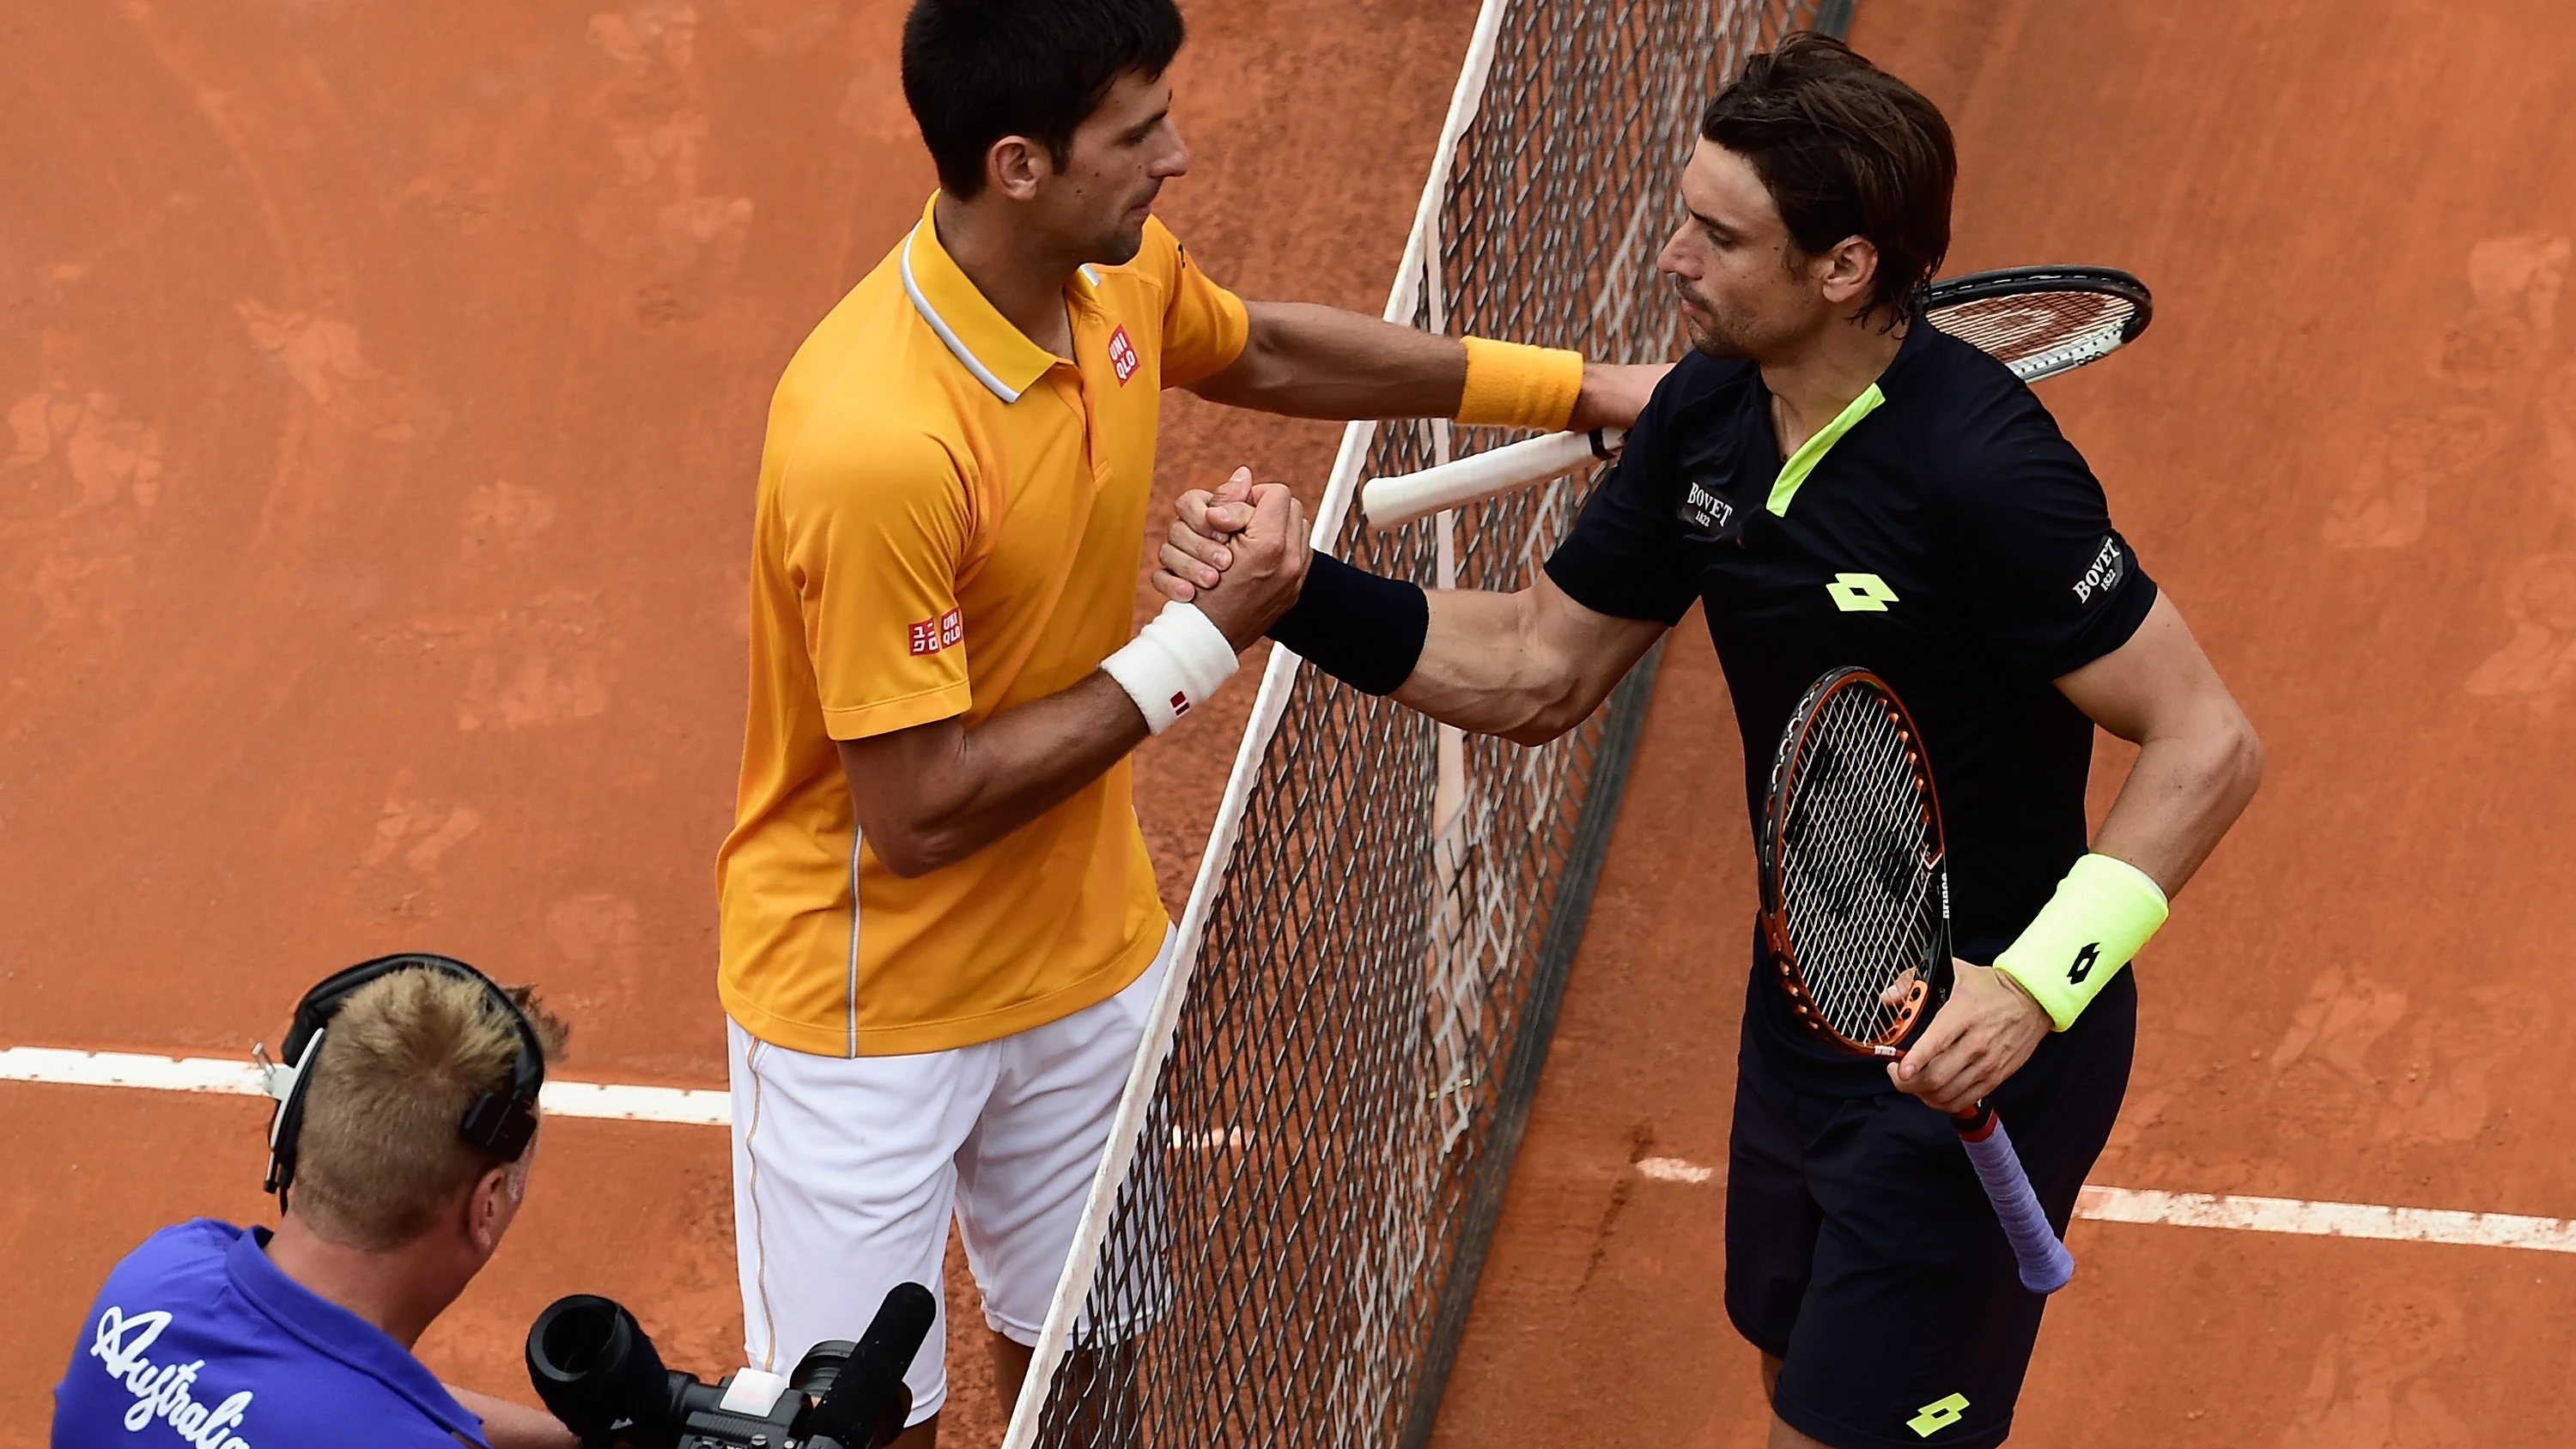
point(1709, 338)
point(1120, 247)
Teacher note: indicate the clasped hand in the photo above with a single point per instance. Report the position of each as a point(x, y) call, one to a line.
point(1239, 553)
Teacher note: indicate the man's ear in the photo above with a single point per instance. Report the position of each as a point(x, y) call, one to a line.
point(1849, 270)
point(488, 1205)
point(1016, 166)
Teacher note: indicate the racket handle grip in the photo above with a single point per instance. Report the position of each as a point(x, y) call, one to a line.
point(1398, 499)
point(2045, 1263)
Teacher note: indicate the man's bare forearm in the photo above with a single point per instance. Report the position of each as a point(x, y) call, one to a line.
point(1526, 666)
point(1479, 672)
point(938, 795)
point(2181, 796)
point(2198, 756)
point(1305, 360)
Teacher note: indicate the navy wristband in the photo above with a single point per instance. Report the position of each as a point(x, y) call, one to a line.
point(1363, 630)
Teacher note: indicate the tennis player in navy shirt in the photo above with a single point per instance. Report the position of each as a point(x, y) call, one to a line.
point(407, 1126)
point(1838, 483)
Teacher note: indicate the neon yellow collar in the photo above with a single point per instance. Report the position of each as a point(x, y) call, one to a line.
point(1811, 452)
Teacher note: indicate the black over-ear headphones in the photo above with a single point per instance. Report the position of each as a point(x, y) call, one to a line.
point(499, 1124)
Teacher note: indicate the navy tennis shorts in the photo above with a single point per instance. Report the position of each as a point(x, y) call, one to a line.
point(1861, 1251)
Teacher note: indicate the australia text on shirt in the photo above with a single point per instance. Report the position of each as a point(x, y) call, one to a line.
point(164, 1391)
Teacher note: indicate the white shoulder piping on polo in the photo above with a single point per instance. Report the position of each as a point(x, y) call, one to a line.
point(939, 324)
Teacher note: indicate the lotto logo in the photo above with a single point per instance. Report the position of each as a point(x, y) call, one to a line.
point(2083, 963)
point(1122, 356)
point(929, 636)
point(1861, 593)
point(1938, 1415)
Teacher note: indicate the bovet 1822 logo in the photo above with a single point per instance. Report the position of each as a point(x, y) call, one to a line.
point(1705, 512)
point(1122, 355)
point(164, 1391)
point(2103, 574)
point(929, 636)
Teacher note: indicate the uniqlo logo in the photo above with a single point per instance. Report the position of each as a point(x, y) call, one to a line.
point(1122, 356)
point(932, 635)
point(1180, 704)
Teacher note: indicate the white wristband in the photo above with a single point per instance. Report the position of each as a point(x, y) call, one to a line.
point(1173, 664)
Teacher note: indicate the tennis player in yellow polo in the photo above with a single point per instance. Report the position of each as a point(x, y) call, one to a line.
point(941, 932)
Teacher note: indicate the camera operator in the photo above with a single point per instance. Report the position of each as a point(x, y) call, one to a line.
point(406, 1115)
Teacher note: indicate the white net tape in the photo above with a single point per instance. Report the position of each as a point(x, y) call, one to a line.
point(1283, 1240)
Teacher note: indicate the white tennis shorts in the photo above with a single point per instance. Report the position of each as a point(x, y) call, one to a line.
point(847, 1169)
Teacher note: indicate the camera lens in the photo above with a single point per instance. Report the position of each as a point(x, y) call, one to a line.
point(821, 1365)
point(576, 1342)
point(592, 1364)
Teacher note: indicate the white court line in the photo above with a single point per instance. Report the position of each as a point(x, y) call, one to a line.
point(59, 1066)
point(2325, 1219)
point(707, 1108)
point(2271, 1215)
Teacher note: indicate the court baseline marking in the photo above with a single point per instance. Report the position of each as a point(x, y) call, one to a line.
point(227, 1077)
point(701, 1107)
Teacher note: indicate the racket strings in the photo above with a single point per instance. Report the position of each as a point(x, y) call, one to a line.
point(2039, 332)
point(1857, 887)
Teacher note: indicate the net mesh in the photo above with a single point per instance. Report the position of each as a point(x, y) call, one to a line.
point(1289, 1256)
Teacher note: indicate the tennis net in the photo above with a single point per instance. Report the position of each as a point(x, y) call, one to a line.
point(1283, 1242)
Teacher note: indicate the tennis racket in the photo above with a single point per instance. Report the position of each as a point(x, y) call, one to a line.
point(2038, 321)
point(1856, 909)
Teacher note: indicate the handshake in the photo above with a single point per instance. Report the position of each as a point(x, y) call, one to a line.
point(1239, 554)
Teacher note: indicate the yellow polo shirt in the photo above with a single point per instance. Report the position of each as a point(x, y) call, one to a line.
point(947, 526)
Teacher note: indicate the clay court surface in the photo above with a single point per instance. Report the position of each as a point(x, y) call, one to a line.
point(384, 390)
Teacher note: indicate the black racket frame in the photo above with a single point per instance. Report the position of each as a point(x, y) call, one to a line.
point(2049, 277)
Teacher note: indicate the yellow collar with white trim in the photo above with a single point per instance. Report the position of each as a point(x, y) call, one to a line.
point(999, 354)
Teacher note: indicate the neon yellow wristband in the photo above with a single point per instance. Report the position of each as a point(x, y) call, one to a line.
point(2102, 913)
point(1515, 385)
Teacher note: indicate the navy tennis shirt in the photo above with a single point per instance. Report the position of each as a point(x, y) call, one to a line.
point(1951, 540)
point(198, 1340)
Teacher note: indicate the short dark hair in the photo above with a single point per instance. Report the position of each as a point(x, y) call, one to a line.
point(1846, 150)
point(975, 71)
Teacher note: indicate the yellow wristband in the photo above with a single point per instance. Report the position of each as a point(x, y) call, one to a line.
point(1515, 385)
point(2102, 913)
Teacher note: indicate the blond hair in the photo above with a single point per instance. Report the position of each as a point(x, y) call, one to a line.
point(378, 1157)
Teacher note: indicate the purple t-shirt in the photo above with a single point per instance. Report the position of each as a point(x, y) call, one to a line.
point(198, 1340)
